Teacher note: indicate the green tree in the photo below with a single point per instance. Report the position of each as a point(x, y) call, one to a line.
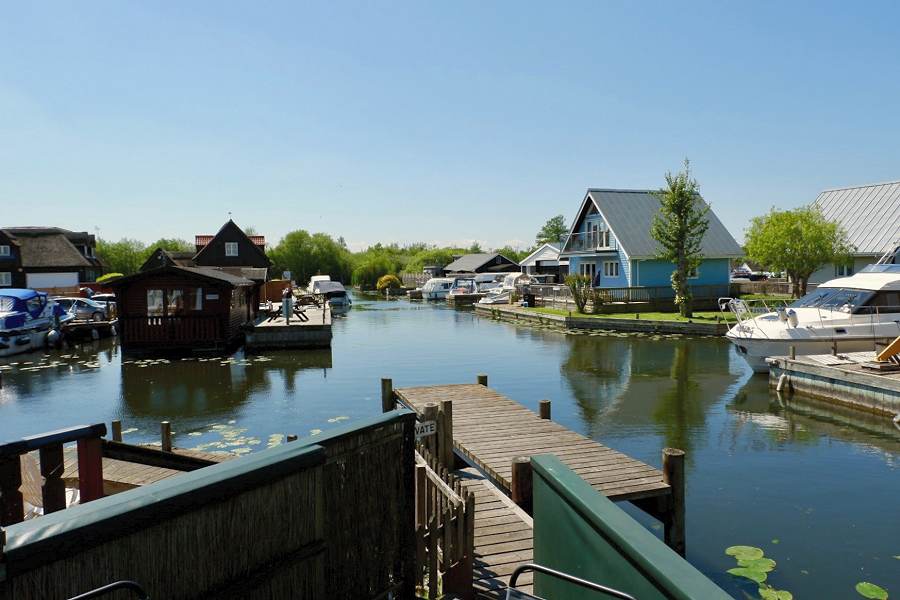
point(170, 244)
point(679, 228)
point(373, 267)
point(305, 255)
point(553, 231)
point(511, 253)
point(475, 248)
point(125, 256)
point(432, 256)
point(798, 241)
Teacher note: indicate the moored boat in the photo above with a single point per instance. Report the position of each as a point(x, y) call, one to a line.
point(333, 291)
point(512, 283)
point(26, 318)
point(436, 288)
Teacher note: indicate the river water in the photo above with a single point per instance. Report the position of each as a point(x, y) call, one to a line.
point(817, 488)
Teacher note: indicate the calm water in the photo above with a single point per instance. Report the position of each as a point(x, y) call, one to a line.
point(818, 489)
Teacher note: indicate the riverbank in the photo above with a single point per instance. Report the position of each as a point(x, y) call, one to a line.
point(561, 319)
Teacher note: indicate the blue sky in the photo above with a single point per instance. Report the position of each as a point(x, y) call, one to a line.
point(428, 121)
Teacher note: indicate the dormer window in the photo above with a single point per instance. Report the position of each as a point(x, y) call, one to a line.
point(231, 249)
point(4, 250)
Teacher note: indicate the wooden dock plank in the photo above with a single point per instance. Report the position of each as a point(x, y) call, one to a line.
point(491, 430)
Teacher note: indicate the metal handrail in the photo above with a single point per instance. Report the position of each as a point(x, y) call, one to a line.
point(565, 577)
point(112, 587)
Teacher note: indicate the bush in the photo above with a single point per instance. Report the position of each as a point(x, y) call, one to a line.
point(109, 277)
point(580, 286)
point(388, 282)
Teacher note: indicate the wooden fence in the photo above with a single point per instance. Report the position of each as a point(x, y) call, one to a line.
point(414, 279)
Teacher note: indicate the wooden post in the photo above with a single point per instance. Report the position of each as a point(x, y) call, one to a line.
point(387, 395)
point(482, 379)
point(432, 557)
point(430, 413)
point(447, 455)
point(793, 350)
point(520, 484)
point(165, 434)
point(834, 347)
point(421, 483)
point(12, 509)
point(673, 474)
point(117, 431)
point(544, 409)
point(53, 492)
point(90, 470)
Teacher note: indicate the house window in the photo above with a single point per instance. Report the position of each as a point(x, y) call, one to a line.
point(195, 298)
point(692, 273)
point(4, 250)
point(5, 279)
point(843, 270)
point(231, 249)
point(588, 269)
point(155, 303)
point(611, 269)
point(604, 238)
point(176, 302)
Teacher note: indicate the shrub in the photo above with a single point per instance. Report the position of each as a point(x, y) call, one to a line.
point(388, 282)
point(580, 286)
point(109, 277)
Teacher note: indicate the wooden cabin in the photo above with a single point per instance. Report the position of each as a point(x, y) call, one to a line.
point(176, 308)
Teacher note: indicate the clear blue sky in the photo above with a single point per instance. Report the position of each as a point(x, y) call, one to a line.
point(432, 121)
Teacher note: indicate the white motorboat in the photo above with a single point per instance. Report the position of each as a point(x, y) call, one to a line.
point(436, 288)
point(488, 281)
point(26, 318)
point(334, 292)
point(850, 314)
point(512, 283)
point(311, 286)
point(462, 286)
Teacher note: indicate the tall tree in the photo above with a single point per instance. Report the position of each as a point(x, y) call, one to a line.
point(798, 242)
point(125, 256)
point(679, 228)
point(553, 231)
point(305, 255)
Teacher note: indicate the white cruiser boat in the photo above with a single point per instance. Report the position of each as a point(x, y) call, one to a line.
point(26, 317)
point(334, 292)
point(503, 294)
point(436, 288)
point(852, 314)
point(463, 286)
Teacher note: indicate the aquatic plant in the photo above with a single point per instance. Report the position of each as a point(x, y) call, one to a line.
point(755, 566)
point(870, 590)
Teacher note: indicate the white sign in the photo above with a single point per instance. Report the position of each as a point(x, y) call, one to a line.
point(425, 429)
point(212, 296)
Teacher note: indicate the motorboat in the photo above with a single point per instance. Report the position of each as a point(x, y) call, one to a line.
point(849, 314)
point(26, 318)
point(462, 286)
point(488, 281)
point(512, 283)
point(311, 286)
point(436, 288)
point(334, 293)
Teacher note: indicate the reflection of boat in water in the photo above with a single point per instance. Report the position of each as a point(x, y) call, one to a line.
point(26, 318)
point(853, 314)
point(436, 288)
point(333, 291)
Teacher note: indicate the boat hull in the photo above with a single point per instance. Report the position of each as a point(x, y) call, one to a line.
point(22, 341)
point(756, 351)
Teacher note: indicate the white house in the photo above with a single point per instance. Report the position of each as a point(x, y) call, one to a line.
point(545, 261)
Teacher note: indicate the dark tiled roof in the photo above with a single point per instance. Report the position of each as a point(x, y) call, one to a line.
point(472, 262)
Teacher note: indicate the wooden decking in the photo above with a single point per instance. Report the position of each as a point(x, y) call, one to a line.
point(490, 430)
point(503, 537)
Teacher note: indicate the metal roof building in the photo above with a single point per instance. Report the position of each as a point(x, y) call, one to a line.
point(870, 214)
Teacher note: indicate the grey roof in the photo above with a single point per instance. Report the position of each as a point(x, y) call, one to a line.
point(870, 215)
point(471, 262)
point(629, 213)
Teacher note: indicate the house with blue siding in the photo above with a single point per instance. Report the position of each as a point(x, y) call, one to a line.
point(610, 242)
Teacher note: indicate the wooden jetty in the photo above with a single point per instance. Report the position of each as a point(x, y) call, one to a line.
point(464, 299)
point(498, 435)
point(87, 330)
point(311, 330)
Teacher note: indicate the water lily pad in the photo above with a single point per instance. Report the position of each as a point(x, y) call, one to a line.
point(870, 590)
point(757, 576)
point(340, 418)
point(757, 564)
point(773, 594)
point(744, 552)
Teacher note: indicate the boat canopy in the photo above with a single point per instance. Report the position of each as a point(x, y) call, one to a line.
point(22, 300)
point(328, 287)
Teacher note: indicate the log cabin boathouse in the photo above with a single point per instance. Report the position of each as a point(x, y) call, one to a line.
point(184, 309)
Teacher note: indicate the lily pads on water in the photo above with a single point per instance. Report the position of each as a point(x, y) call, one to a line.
point(870, 590)
point(773, 594)
point(751, 574)
point(744, 552)
point(757, 564)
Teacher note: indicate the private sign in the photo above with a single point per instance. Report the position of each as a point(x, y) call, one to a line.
point(425, 429)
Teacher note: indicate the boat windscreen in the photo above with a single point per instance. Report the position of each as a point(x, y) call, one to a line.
point(842, 299)
point(7, 304)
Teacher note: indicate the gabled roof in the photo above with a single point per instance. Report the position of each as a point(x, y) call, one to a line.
point(472, 262)
point(551, 250)
point(50, 250)
point(629, 214)
point(231, 228)
point(870, 215)
point(162, 258)
point(210, 273)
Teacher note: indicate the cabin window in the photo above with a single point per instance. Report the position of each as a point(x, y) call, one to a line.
point(611, 269)
point(176, 302)
point(4, 250)
point(882, 302)
point(231, 249)
point(155, 303)
point(6, 278)
point(843, 270)
point(195, 298)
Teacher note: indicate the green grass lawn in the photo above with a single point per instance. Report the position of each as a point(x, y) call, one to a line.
point(700, 316)
point(768, 297)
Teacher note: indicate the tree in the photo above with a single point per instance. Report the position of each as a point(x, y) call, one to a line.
point(798, 241)
point(125, 256)
point(305, 255)
point(511, 253)
point(475, 248)
point(679, 228)
point(553, 231)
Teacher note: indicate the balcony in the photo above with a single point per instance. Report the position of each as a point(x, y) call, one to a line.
point(593, 241)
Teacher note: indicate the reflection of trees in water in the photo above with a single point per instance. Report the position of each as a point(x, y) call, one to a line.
point(680, 410)
point(597, 371)
point(187, 388)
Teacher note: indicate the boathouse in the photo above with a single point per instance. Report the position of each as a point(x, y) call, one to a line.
point(870, 215)
point(482, 263)
point(610, 242)
point(177, 308)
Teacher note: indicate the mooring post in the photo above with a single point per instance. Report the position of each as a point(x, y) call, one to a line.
point(447, 456)
point(387, 394)
point(793, 350)
point(12, 507)
point(482, 379)
point(165, 434)
point(116, 431)
point(544, 409)
point(53, 492)
point(834, 347)
point(520, 482)
point(430, 413)
point(90, 469)
point(673, 474)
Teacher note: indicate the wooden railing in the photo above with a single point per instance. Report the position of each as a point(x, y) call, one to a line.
point(186, 329)
point(445, 531)
point(50, 448)
point(414, 279)
point(548, 294)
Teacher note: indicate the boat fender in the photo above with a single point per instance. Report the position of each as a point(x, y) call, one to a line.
point(53, 337)
point(792, 317)
point(781, 381)
point(782, 314)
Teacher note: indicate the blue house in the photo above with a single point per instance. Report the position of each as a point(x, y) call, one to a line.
point(610, 242)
